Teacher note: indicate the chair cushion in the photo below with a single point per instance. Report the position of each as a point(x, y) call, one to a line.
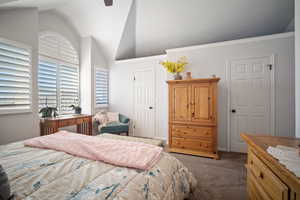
point(114, 127)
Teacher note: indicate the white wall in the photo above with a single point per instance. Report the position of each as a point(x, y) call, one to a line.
point(85, 75)
point(297, 73)
point(21, 25)
point(207, 60)
point(24, 25)
point(126, 48)
point(91, 57)
point(121, 90)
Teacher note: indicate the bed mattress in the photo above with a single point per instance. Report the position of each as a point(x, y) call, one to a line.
point(39, 174)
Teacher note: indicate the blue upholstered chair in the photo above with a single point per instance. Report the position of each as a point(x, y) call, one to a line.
point(122, 126)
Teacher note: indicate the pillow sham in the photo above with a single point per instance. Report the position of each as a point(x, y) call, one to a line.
point(113, 116)
point(101, 117)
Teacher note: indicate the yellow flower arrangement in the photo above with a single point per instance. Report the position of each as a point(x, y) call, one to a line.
point(175, 67)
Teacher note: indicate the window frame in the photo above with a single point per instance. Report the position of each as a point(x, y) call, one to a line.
point(60, 63)
point(60, 60)
point(95, 88)
point(30, 83)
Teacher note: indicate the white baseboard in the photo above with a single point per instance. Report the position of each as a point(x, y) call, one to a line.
point(222, 149)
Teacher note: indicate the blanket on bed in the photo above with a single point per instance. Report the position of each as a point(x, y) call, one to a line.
point(43, 174)
point(117, 152)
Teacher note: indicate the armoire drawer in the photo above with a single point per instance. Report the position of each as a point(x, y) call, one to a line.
point(192, 144)
point(266, 179)
point(192, 132)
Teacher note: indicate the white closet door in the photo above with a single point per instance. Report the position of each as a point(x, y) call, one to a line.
point(144, 100)
point(251, 105)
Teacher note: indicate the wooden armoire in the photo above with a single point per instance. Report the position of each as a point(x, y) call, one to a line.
point(193, 117)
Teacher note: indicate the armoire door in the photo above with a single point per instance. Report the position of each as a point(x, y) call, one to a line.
point(179, 100)
point(201, 103)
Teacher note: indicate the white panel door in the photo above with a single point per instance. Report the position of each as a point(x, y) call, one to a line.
point(250, 97)
point(144, 99)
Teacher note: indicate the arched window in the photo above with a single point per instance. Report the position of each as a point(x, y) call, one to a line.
point(58, 74)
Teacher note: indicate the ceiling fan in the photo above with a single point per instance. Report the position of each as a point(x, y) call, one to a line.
point(108, 2)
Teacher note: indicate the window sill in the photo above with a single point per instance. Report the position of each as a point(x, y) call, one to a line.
point(15, 111)
point(101, 106)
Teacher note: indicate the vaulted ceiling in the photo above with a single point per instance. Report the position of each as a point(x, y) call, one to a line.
point(176, 23)
point(135, 28)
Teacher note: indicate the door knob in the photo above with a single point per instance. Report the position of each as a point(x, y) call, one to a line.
point(233, 111)
point(150, 107)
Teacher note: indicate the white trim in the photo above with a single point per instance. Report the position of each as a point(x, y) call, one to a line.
point(272, 96)
point(59, 64)
point(232, 42)
point(18, 44)
point(142, 59)
point(154, 98)
point(160, 138)
point(222, 149)
point(15, 111)
point(228, 81)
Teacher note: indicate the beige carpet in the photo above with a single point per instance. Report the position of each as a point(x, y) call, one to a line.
point(223, 179)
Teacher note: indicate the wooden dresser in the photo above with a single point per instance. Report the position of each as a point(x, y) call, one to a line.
point(193, 117)
point(267, 179)
point(51, 125)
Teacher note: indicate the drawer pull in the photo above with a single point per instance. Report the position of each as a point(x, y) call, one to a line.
point(251, 162)
point(261, 175)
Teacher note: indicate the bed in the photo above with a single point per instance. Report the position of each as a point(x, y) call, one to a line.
point(40, 174)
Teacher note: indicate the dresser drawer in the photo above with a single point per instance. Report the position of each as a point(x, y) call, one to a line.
point(192, 132)
point(192, 144)
point(266, 179)
point(255, 192)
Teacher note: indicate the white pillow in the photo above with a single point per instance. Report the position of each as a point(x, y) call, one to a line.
point(113, 116)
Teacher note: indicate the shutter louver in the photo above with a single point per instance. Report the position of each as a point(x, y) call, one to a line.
point(102, 92)
point(69, 88)
point(47, 82)
point(15, 78)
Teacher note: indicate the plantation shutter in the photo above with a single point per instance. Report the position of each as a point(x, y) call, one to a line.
point(102, 84)
point(15, 77)
point(69, 88)
point(65, 69)
point(47, 82)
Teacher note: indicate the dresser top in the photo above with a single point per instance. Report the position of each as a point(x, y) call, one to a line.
point(196, 80)
point(74, 116)
point(261, 143)
point(264, 141)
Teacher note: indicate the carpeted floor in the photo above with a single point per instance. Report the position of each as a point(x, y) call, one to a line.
point(223, 179)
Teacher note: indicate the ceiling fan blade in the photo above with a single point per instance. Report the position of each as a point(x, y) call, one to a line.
point(108, 2)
